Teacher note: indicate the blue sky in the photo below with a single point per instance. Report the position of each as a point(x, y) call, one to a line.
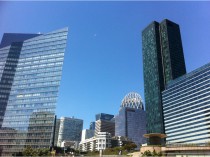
point(103, 60)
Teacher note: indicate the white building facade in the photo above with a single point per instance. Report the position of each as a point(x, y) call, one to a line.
point(99, 142)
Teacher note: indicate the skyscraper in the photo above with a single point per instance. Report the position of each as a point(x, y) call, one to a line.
point(86, 134)
point(104, 123)
point(34, 67)
point(70, 129)
point(163, 60)
point(131, 120)
point(105, 126)
point(92, 126)
point(171, 50)
point(10, 48)
point(104, 116)
point(186, 107)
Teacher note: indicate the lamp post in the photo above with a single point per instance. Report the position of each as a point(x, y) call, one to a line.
point(100, 152)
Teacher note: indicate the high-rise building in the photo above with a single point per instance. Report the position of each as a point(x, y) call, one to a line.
point(104, 123)
point(131, 120)
point(31, 68)
point(105, 126)
point(86, 134)
point(163, 60)
point(92, 126)
point(10, 49)
point(104, 116)
point(186, 107)
point(70, 129)
point(171, 50)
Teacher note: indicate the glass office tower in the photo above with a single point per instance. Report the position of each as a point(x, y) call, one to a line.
point(104, 116)
point(163, 60)
point(131, 120)
point(30, 110)
point(70, 129)
point(186, 106)
point(92, 125)
point(104, 123)
point(171, 50)
point(10, 48)
point(105, 126)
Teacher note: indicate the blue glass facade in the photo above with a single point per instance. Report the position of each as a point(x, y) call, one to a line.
point(70, 130)
point(105, 126)
point(8, 64)
point(92, 125)
point(30, 111)
point(186, 106)
point(131, 120)
point(10, 48)
point(104, 116)
point(131, 123)
point(104, 123)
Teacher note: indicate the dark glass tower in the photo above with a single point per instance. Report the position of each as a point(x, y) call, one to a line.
point(172, 51)
point(163, 60)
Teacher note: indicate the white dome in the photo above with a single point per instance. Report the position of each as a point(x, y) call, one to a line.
point(132, 100)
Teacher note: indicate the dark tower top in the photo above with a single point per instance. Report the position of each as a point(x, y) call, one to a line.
point(172, 51)
point(9, 38)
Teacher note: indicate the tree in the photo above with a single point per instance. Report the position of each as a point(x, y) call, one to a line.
point(68, 149)
point(148, 153)
point(111, 151)
point(29, 151)
point(43, 152)
point(129, 146)
point(93, 153)
point(58, 150)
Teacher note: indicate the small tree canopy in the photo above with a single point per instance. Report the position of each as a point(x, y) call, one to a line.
point(29, 151)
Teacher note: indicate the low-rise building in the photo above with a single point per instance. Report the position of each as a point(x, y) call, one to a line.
point(102, 141)
point(173, 149)
point(70, 144)
point(119, 141)
point(87, 145)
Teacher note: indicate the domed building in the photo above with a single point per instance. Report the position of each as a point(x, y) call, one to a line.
point(132, 100)
point(131, 120)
